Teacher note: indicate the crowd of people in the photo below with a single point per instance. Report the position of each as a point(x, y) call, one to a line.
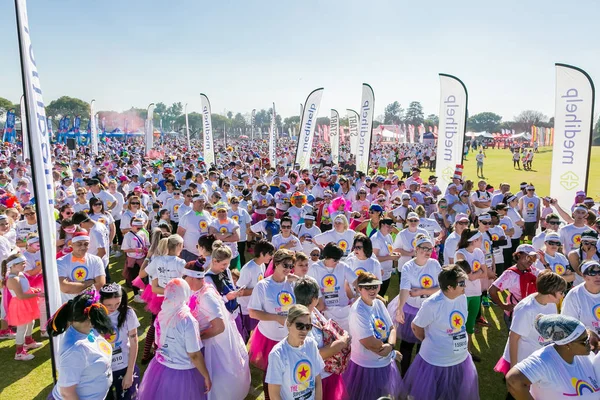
point(290, 270)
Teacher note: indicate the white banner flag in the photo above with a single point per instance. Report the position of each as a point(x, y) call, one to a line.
point(353, 127)
point(252, 119)
point(24, 131)
point(573, 121)
point(93, 129)
point(187, 127)
point(272, 138)
point(41, 165)
point(307, 128)
point(334, 136)
point(451, 133)
point(365, 131)
point(150, 128)
point(209, 150)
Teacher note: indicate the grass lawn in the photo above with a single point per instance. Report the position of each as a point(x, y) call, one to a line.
point(498, 168)
point(33, 379)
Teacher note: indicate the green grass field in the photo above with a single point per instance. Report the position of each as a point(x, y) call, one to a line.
point(33, 379)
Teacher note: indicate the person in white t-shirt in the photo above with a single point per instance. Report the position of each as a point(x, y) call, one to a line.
point(227, 230)
point(192, 226)
point(252, 273)
point(361, 258)
point(582, 301)
point(406, 239)
point(549, 257)
point(382, 243)
point(443, 368)
point(295, 365)
point(562, 370)
point(178, 371)
point(372, 371)
point(124, 342)
point(418, 281)
point(523, 339)
point(306, 232)
point(285, 239)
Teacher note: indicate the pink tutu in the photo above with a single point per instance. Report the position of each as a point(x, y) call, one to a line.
point(502, 366)
point(35, 281)
point(139, 283)
point(23, 311)
point(354, 223)
point(334, 388)
point(260, 347)
point(258, 217)
point(153, 301)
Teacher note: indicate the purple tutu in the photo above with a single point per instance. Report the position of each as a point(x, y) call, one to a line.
point(372, 383)
point(333, 388)
point(164, 383)
point(424, 381)
point(248, 325)
point(260, 347)
point(502, 366)
point(153, 301)
point(404, 330)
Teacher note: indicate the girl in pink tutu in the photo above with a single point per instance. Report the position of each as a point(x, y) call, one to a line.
point(33, 273)
point(23, 308)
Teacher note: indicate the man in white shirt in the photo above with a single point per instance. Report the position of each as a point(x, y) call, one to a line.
point(99, 238)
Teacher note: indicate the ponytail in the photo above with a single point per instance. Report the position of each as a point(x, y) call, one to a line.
point(163, 247)
point(80, 309)
point(59, 322)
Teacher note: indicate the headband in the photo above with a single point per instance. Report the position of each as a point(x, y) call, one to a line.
point(574, 335)
point(475, 237)
point(111, 288)
point(20, 259)
point(80, 238)
point(3, 217)
point(422, 240)
point(530, 187)
point(137, 223)
point(511, 198)
point(194, 274)
point(33, 240)
point(580, 208)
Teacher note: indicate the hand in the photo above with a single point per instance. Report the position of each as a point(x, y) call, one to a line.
point(127, 381)
point(281, 319)
point(385, 349)
point(415, 292)
point(231, 295)
point(542, 257)
point(400, 316)
point(395, 256)
point(492, 274)
point(398, 356)
point(207, 384)
point(507, 307)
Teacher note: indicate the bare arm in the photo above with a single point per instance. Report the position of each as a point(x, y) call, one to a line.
point(513, 348)
point(568, 219)
point(198, 360)
point(99, 281)
point(69, 393)
point(418, 331)
point(518, 385)
point(216, 326)
point(265, 316)
point(155, 288)
point(68, 287)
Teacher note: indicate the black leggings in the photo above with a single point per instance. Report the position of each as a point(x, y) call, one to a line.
point(384, 287)
point(406, 351)
point(118, 239)
point(242, 250)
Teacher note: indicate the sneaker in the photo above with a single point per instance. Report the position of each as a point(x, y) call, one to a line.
point(482, 321)
point(33, 345)
point(117, 254)
point(24, 356)
point(44, 334)
point(7, 334)
point(485, 301)
point(138, 299)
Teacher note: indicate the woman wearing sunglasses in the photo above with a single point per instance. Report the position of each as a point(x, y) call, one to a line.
point(295, 365)
point(98, 214)
point(133, 210)
point(587, 251)
point(270, 303)
point(582, 299)
point(561, 370)
point(362, 258)
point(550, 258)
point(372, 371)
point(341, 235)
point(81, 202)
point(405, 240)
point(418, 281)
point(443, 368)
point(523, 338)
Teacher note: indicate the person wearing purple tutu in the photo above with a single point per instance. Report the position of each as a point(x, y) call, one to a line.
point(124, 342)
point(443, 369)
point(418, 281)
point(372, 371)
point(295, 365)
point(334, 346)
point(250, 275)
point(224, 351)
point(84, 362)
point(178, 371)
point(270, 303)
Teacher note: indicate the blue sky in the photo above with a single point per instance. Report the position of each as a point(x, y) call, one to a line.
point(246, 55)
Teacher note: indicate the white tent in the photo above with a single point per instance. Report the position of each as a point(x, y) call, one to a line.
point(522, 135)
point(480, 134)
point(386, 133)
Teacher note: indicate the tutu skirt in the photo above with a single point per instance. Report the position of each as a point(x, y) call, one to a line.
point(139, 283)
point(36, 281)
point(372, 383)
point(424, 381)
point(260, 347)
point(256, 217)
point(333, 387)
point(164, 383)
point(23, 311)
point(502, 366)
point(153, 301)
point(404, 330)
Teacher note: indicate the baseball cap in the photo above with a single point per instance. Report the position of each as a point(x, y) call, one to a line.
point(527, 249)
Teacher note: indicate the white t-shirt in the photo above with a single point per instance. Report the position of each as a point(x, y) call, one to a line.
point(165, 268)
point(332, 282)
point(507, 223)
point(369, 265)
point(444, 321)
point(450, 247)
point(250, 275)
point(195, 225)
point(579, 303)
point(79, 270)
point(182, 339)
point(84, 363)
point(274, 298)
point(383, 243)
point(100, 239)
point(476, 260)
point(242, 218)
point(138, 241)
point(523, 321)
point(173, 205)
point(119, 340)
point(107, 199)
point(514, 217)
point(308, 234)
point(553, 379)
point(295, 369)
point(559, 264)
point(343, 240)
point(496, 233)
point(128, 215)
point(406, 240)
point(570, 237)
point(367, 321)
point(431, 226)
point(34, 260)
point(421, 277)
point(22, 228)
point(227, 226)
point(279, 241)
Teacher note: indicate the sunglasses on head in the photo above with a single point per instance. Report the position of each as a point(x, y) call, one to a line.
point(303, 327)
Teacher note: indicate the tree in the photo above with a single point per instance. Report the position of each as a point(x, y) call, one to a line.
point(195, 122)
point(6, 105)
point(393, 114)
point(527, 118)
point(66, 105)
point(323, 121)
point(484, 121)
point(414, 114)
point(376, 124)
point(431, 120)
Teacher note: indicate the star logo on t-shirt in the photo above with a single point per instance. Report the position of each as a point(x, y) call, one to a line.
point(457, 321)
point(577, 240)
point(426, 281)
point(559, 269)
point(80, 273)
point(285, 299)
point(303, 372)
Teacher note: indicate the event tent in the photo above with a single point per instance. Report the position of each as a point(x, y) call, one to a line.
point(480, 134)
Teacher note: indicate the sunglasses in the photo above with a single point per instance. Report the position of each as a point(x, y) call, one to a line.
point(463, 223)
point(303, 327)
point(287, 265)
point(553, 222)
point(592, 272)
point(358, 247)
point(370, 287)
point(413, 220)
point(461, 283)
point(68, 213)
point(552, 243)
point(381, 201)
point(286, 227)
point(484, 222)
point(135, 204)
point(28, 214)
point(587, 243)
point(270, 215)
point(531, 190)
point(426, 249)
point(188, 195)
point(311, 254)
point(233, 202)
point(97, 205)
point(176, 194)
